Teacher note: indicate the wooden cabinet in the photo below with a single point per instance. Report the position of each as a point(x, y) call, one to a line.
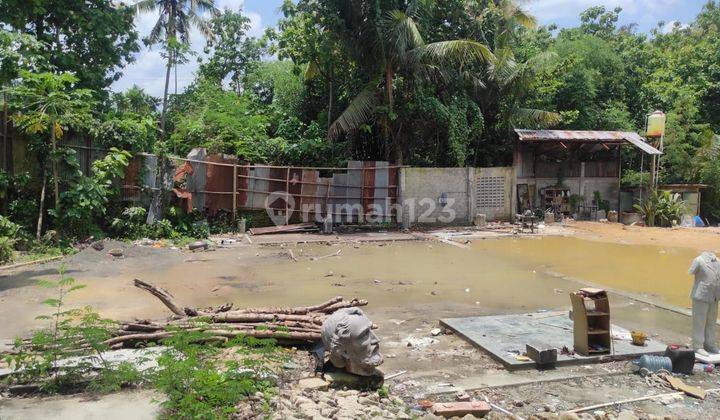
point(591, 321)
point(557, 199)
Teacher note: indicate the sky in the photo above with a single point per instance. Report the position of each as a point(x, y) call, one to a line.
point(148, 70)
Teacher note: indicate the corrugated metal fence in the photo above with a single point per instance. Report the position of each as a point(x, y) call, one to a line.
point(212, 183)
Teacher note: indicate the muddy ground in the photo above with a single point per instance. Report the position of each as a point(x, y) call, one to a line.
point(411, 283)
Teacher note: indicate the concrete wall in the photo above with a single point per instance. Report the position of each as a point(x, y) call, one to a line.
point(494, 193)
point(421, 190)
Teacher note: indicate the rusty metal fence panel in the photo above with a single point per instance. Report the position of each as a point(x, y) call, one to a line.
point(214, 183)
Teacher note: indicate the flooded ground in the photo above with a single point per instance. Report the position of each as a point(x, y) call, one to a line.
point(493, 276)
point(409, 284)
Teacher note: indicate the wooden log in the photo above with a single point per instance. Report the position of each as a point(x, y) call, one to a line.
point(164, 296)
point(234, 316)
point(344, 304)
point(138, 337)
point(296, 310)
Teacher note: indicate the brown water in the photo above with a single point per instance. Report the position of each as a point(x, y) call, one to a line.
point(501, 273)
point(403, 279)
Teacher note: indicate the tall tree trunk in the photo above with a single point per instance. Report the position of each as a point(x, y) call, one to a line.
point(394, 146)
point(330, 100)
point(42, 207)
point(165, 95)
point(5, 133)
point(169, 34)
point(55, 169)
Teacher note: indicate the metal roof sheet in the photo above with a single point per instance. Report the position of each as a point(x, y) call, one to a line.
point(590, 136)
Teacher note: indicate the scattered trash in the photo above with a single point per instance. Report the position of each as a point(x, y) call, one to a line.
point(435, 332)
point(98, 246)
point(415, 342)
point(116, 252)
point(461, 409)
point(425, 404)
point(462, 396)
point(335, 254)
point(395, 375)
point(654, 363)
point(638, 338)
point(198, 245)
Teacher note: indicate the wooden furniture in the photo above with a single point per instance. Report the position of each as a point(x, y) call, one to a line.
point(557, 199)
point(591, 321)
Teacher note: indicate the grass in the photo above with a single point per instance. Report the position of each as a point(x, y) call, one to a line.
point(21, 257)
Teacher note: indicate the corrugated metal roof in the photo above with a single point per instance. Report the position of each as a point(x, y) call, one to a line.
point(590, 136)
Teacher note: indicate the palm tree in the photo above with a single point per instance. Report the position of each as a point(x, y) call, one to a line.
point(502, 87)
point(386, 42)
point(173, 27)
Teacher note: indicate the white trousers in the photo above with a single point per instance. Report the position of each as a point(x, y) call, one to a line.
point(704, 320)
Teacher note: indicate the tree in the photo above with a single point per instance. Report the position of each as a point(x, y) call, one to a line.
point(173, 28)
point(17, 52)
point(232, 53)
point(93, 39)
point(49, 104)
point(383, 39)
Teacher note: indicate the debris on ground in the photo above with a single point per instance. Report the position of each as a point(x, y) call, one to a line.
point(298, 324)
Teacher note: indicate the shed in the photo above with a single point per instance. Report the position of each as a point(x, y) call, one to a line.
point(568, 170)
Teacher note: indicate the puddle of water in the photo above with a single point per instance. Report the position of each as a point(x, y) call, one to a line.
point(661, 272)
point(501, 273)
point(426, 280)
point(402, 274)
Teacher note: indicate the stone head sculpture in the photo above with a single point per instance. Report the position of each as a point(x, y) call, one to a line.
point(348, 338)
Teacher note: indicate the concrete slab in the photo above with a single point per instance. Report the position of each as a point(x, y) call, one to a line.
point(504, 337)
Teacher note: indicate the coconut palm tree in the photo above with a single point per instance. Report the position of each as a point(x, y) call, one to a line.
point(173, 26)
point(385, 42)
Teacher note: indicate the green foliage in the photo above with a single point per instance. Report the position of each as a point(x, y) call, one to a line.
point(177, 225)
point(197, 385)
point(231, 53)
point(663, 207)
point(91, 38)
point(598, 201)
point(18, 52)
point(221, 121)
point(86, 200)
point(36, 360)
point(136, 135)
point(8, 228)
point(18, 200)
point(6, 250)
point(49, 103)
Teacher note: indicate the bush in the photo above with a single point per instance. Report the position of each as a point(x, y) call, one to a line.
point(663, 207)
point(198, 386)
point(36, 360)
point(6, 250)
point(87, 198)
point(176, 225)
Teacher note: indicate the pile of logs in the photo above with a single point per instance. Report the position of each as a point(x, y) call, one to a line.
point(288, 325)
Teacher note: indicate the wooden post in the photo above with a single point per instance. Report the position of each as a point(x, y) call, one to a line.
point(361, 215)
point(287, 196)
point(234, 193)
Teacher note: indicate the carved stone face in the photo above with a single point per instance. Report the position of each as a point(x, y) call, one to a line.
point(347, 335)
